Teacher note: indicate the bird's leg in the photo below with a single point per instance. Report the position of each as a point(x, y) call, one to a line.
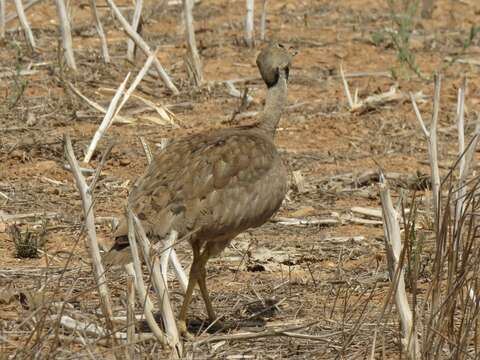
point(203, 285)
point(192, 281)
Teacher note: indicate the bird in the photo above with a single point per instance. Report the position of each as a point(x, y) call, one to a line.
point(211, 186)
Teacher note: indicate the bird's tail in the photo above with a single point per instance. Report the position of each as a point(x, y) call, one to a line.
point(119, 253)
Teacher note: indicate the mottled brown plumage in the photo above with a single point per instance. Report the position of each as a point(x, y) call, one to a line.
point(214, 185)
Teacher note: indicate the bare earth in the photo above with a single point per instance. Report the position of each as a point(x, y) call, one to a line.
point(334, 275)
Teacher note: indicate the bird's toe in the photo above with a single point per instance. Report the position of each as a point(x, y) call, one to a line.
point(183, 330)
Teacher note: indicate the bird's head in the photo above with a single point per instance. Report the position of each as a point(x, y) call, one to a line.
point(274, 62)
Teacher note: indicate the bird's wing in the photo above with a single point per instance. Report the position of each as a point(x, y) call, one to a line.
point(210, 183)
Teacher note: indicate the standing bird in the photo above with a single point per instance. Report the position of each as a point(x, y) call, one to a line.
point(210, 187)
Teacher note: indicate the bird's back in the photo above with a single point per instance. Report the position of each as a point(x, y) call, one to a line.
point(213, 185)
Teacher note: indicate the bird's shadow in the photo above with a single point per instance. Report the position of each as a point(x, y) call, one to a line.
point(199, 326)
point(252, 317)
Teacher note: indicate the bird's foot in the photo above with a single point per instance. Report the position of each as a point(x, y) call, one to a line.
point(183, 330)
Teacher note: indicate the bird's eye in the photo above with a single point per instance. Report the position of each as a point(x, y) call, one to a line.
point(281, 46)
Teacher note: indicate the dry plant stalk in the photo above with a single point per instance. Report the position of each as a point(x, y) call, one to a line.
point(147, 304)
point(137, 13)
point(66, 32)
point(166, 252)
point(164, 142)
point(299, 181)
point(474, 62)
point(25, 25)
point(161, 287)
point(100, 31)
point(356, 105)
point(26, 6)
point(2, 19)
point(470, 152)
point(143, 46)
point(131, 317)
point(431, 138)
point(449, 313)
point(461, 125)
point(98, 270)
point(346, 88)
point(96, 106)
point(179, 2)
point(263, 20)
point(249, 39)
point(460, 195)
point(141, 74)
point(166, 116)
point(193, 56)
point(372, 212)
point(466, 156)
point(373, 101)
point(134, 269)
point(114, 109)
point(393, 245)
point(107, 120)
point(146, 150)
point(91, 329)
point(178, 268)
point(451, 307)
point(233, 91)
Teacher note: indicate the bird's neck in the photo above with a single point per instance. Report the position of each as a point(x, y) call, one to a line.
point(274, 105)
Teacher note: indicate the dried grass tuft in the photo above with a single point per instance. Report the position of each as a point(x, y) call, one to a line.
point(28, 241)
